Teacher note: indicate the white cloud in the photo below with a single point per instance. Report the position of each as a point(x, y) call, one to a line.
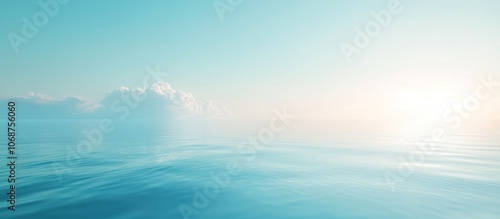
point(158, 101)
point(42, 106)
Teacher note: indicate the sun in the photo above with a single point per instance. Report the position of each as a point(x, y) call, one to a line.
point(423, 105)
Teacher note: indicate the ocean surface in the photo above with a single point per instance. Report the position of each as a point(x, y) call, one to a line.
point(313, 169)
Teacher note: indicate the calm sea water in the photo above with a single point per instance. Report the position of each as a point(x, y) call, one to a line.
point(310, 170)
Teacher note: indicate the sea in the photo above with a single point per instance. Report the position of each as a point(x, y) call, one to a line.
point(247, 169)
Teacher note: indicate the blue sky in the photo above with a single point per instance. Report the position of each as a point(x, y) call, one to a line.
point(108, 44)
point(264, 53)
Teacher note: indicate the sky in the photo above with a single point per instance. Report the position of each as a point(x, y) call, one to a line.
point(262, 55)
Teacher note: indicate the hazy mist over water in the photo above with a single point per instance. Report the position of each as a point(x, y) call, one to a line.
point(312, 169)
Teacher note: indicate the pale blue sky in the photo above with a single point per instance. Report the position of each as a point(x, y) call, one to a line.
point(262, 54)
point(107, 44)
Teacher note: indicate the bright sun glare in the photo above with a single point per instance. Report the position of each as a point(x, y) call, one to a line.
point(422, 105)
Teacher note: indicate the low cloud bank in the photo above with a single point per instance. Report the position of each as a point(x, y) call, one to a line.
point(158, 101)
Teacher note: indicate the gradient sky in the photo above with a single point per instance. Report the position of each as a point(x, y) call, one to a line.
point(264, 54)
